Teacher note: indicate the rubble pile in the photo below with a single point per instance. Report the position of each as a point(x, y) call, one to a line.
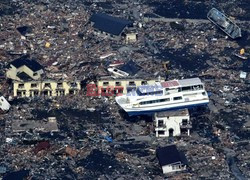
point(94, 138)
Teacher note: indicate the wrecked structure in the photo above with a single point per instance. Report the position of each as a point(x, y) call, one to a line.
point(48, 125)
point(24, 69)
point(109, 25)
point(172, 123)
point(224, 23)
point(104, 142)
point(171, 160)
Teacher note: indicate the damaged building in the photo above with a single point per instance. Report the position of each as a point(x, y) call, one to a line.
point(109, 25)
point(172, 123)
point(171, 159)
point(107, 85)
point(24, 69)
point(45, 88)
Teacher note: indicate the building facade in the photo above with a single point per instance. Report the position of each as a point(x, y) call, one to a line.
point(110, 87)
point(45, 88)
point(172, 123)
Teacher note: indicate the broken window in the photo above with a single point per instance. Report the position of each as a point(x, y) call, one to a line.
point(59, 85)
point(161, 132)
point(47, 85)
point(71, 92)
point(160, 123)
point(118, 83)
point(19, 93)
point(20, 85)
point(184, 122)
point(105, 83)
point(73, 84)
point(33, 85)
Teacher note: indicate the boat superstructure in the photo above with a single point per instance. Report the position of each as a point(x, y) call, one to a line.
point(224, 23)
point(175, 94)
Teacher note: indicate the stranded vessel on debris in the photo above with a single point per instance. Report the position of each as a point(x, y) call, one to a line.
point(175, 94)
point(224, 23)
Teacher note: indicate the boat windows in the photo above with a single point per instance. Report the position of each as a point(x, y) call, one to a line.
point(188, 88)
point(154, 101)
point(144, 83)
point(157, 93)
point(177, 98)
point(197, 87)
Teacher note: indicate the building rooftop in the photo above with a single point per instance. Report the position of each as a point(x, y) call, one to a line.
point(39, 125)
point(109, 24)
point(180, 112)
point(190, 82)
point(181, 83)
point(24, 61)
point(131, 68)
point(170, 155)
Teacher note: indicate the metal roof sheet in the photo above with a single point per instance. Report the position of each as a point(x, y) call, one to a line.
point(190, 82)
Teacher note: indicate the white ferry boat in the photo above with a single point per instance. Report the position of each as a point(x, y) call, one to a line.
point(169, 95)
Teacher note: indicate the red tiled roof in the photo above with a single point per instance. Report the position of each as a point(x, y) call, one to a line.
point(168, 84)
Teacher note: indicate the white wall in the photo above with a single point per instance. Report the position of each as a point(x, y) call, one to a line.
point(4, 104)
point(170, 123)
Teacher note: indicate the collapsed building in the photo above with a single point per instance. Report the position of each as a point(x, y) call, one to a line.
point(109, 25)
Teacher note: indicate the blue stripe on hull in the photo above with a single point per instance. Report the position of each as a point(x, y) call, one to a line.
point(166, 109)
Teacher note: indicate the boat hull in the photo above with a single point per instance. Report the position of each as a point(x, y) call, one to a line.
point(144, 111)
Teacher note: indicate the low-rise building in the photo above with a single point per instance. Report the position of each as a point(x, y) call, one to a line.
point(171, 160)
point(172, 123)
point(45, 88)
point(24, 69)
point(110, 86)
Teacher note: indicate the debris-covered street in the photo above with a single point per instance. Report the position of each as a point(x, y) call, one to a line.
point(54, 125)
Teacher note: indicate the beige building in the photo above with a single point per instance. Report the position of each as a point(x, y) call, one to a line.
point(45, 88)
point(172, 123)
point(109, 86)
point(24, 69)
point(131, 37)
